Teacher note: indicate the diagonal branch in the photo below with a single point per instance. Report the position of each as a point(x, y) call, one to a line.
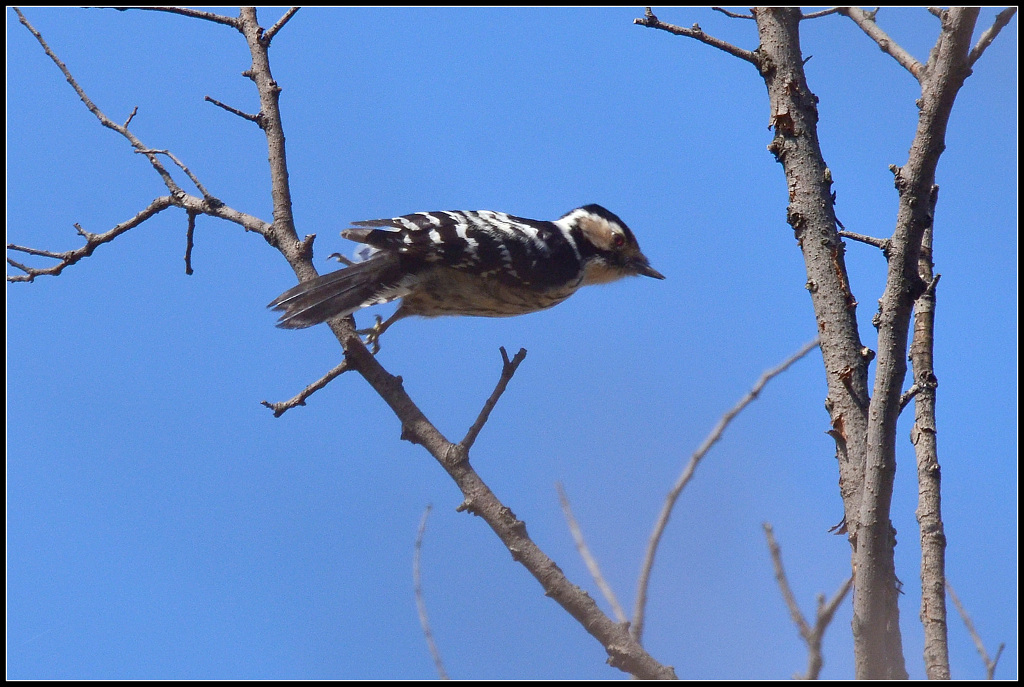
point(990, 663)
point(299, 399)
point(191, 13)
point(269, 34)
point(588, 557)
point(508, 368)
point(104, 120)
point(92, 241)
point(652, 22)
point(1002, 19)
point(640, 606)
point(866, 21)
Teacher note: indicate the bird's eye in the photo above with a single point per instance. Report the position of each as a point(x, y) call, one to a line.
point(618, 240)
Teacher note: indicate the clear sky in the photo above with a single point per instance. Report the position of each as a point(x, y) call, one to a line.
point(162, 524)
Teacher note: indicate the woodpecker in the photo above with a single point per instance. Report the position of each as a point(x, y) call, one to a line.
point(482, 263)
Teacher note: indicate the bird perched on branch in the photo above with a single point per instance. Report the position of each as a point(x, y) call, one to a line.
point(482, 263)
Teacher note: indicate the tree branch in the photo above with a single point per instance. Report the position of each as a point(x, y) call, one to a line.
point(929, 483)
point(300, 399)
point(269, 34)
point(882, 244)
point(640, 605)
point(1002, 19)
point(731, 15)
point(588, 557)
point(191, 13)
point(652, 22)
point(822, 13)
point(866, 21)
point(812, 636)
point(92, 241)
point(421, 606)
point(990, 663)
point(508, 368)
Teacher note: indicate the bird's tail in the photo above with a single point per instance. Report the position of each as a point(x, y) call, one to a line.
point(377, 280)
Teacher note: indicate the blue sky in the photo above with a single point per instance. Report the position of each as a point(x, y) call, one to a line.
point(162, 524)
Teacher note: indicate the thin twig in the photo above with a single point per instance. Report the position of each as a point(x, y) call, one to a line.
point(866, 21)
point(908, 395)
point(651, 21)
point(990, 663)
point(588, 558)
point(190, 234)
point(244, 115)
point(135, 111)
point(104, 120)
point(269, 34)
point(820, 13)
point(508, 368)
point(300, 398)
point(92, 241)
point(989, 35)
point(882, 244)
point(684, 478)
point(194, 14)
point(732, 15)
point(195, 180)
point(421, 606)
point(812, 636)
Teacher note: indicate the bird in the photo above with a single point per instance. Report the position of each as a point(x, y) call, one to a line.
point(478, 263)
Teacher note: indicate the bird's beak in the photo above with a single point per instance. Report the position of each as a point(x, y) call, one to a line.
point(643, 268)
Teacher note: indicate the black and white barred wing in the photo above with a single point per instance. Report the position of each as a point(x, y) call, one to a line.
point(512, 249)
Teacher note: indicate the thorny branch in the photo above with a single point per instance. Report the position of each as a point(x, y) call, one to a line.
point(812, 636)
point(640, 604)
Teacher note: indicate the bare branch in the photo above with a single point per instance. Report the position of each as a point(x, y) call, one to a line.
point(195, 180)
point(421, 606)
point(732, 15)
point(128, 121)
point(821, 13)
point(190, 234)
point(269, 34)
point(908, 395)
point(624, 652)
point(936, 11)
point(866, 21)
point(651, 21)
point(883, 244)
point(990, 663)
point(1002, 19)
point(812, 636)
point(588, 558)
point(104, 120)
point(508, 368)
point(194, 14)
point(92, 241)
point(639, 609)
point(244, 115)
point(300, 398)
